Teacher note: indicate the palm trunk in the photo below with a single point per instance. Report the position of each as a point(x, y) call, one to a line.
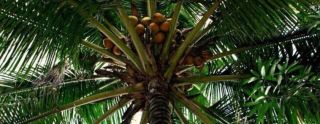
point(159, 110)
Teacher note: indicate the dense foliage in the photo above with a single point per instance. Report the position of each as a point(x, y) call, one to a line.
point(263, 66)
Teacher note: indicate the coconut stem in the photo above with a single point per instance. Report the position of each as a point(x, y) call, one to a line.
point(173, 24)
point(152, 6)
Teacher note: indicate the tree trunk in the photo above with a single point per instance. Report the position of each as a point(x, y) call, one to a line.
point(159, 110)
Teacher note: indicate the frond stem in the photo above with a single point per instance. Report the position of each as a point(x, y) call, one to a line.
point(89, 99)
point(113, 28)
point(207, 79)
point(145, 113)
point(173, 25)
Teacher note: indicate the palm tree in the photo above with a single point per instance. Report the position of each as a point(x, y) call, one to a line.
point(184, 61)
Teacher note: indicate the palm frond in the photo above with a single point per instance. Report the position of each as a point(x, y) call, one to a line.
point(275, 42)
point(33, 30)
point(300, 45)
point(27, 100)
point(262, 97)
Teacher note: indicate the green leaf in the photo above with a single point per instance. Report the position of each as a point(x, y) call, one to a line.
point(3, 85)
point(259, 98)
point(252, 79)
point(273, 68)
point(263, 71)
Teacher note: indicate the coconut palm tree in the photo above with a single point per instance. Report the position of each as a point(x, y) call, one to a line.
point(183, 61)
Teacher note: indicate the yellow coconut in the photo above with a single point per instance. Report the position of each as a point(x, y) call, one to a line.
point(140, 29)
point(133, 20)
point(146, 21)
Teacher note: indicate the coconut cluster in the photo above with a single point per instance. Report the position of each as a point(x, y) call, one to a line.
point(155, 30)
point(158, 25)
point(109, 45)
point(197, 59)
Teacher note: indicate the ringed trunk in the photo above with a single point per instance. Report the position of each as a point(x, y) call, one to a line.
point(159, 110)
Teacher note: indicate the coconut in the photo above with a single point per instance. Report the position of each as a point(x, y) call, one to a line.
point(116, 51)
point(165, 26)
point(140, 29)
point(206, 55)
point(198, 61)
point(158, 18)
point(133, 20)
point(107, 43)
point(146, 21)
point(159, 37)
point(188, 60)
point(154, 27)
